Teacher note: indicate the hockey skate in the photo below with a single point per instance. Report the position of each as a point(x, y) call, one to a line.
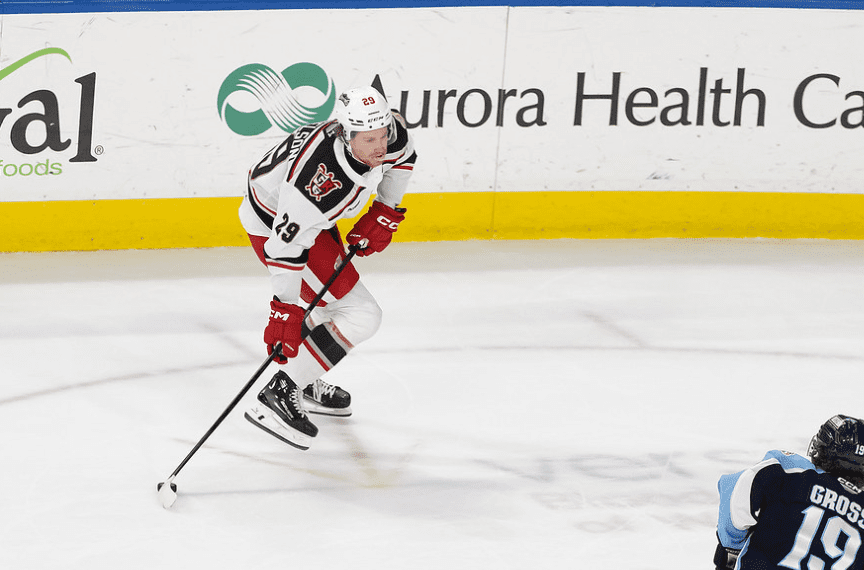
point(326, 399)
point(280, 412)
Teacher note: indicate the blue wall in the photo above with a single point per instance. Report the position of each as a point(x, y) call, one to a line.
point(59, 6)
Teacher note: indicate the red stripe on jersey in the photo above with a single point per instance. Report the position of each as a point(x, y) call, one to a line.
point(348, 205)
point(261, 204)
point(287, 266)
point(403, 167)
point(392, 160)
point(305, 148)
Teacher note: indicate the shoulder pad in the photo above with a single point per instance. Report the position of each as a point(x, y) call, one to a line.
point(789, 461)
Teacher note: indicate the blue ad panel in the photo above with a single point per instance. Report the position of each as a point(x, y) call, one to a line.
point(61, 6)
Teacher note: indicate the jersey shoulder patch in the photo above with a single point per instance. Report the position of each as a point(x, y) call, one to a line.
point(322, 183)
point(320, 178)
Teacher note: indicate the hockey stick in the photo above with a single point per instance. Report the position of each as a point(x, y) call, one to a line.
point(168, 489)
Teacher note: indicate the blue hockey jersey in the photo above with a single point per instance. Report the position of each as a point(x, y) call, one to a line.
point(786, 513)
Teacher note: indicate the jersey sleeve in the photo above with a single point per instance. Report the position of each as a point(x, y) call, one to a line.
point(742, 494)
point(394, 183)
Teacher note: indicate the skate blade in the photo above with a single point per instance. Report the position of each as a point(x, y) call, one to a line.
point(313, 407)
point(265, 420)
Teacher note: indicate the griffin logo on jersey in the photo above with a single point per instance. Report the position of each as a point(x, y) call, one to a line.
point(322, 183)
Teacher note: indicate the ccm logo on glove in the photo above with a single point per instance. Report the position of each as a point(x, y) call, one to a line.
point(392, 226)
point(285, 327)
point(374, 231)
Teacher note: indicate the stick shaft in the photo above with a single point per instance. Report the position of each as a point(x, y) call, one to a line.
point(276, 352)
point(227, 411)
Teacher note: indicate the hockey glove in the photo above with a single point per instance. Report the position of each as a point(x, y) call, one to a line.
point(285, 326)
point(725, 558)
point(375, 229)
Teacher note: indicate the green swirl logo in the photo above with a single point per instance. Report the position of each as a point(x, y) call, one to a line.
point(25, 60)
point(277, 97)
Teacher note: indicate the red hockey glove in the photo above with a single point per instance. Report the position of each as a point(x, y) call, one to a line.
point(285, 326)
point(374, 230)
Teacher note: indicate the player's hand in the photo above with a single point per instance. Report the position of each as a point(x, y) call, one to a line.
point(285, 327)
point(375, 229)
point(725, 558)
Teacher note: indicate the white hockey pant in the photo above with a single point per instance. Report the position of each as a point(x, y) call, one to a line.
point(335, 329)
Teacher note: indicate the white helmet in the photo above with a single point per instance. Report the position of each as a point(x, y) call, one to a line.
point(361, 109)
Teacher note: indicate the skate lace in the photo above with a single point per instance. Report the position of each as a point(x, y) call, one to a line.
point(322, 389)
point(296, 398)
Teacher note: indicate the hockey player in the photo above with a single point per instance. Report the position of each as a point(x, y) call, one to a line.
point(296, 193)
point(788, 512)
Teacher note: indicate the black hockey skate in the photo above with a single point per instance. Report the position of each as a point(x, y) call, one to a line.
point(280, 412)
point(326, 399)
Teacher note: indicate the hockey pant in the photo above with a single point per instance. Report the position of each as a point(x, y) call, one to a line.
point(346, 316)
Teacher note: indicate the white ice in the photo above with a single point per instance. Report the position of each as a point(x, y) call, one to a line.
point(546, 405)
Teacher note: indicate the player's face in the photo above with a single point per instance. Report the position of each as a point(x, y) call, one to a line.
point(370, 147)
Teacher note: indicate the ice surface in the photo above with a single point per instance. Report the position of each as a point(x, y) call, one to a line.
point(549, 404)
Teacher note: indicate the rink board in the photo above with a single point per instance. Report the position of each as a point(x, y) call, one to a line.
point(212, 222)
point(543, 130)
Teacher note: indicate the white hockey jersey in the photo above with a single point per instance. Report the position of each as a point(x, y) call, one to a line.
point(306, 184)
